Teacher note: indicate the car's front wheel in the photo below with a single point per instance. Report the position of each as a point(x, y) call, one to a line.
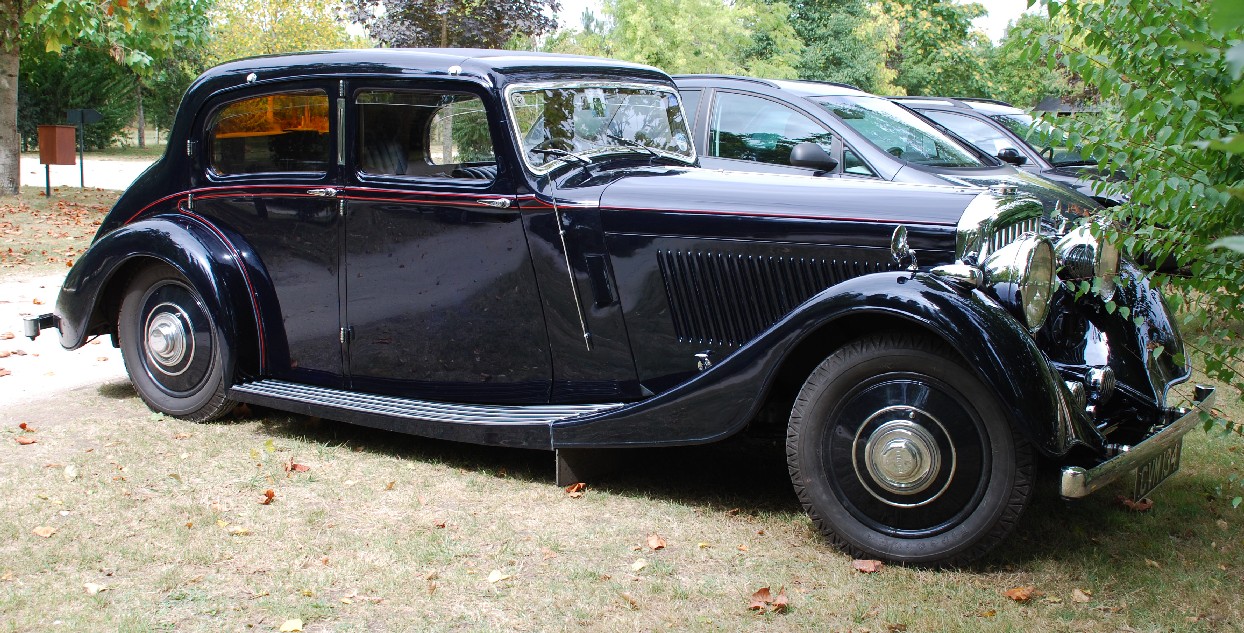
point(173, 350)
point(899, 452)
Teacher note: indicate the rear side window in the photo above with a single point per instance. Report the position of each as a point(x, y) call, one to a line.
point(282, 132)
point(424, 134)
point(974, 131)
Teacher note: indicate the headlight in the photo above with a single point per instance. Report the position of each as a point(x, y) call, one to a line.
point(1083, 257)
point(1021, 277)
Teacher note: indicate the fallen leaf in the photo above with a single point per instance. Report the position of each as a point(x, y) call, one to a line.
point(496, 576)
point(222, 523)
point(71, 472)
point(632, 602)
point(26, 427)
point(760, 600)
point(25, 441)
point(1144, 505)
point(781, 603)
point(347, 600)
point(575, 490)
point(439, 524)
point(638, 565)
point(1153, 563)
point(988, 614)
point(101, 358)
point(297, 468)
point(1022, 594)
point(37, 301)
point(238, 530)
point(7, 336)
point(896, 628)
point(175, 477)
point(547, 553)
point(4, 353)
point(268, 496)
point(867, 566)
point(389, 486)
point(4, 372)
point(655, 542)
point(93, 588)
point(45, 531)
point(181, 436)
point(703, 545)
point(291, 626)
point(1081, 595)
point(743, 547)
point(1052, 600)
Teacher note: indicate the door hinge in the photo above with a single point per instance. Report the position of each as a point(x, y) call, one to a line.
point(341, 208)
point(346, 334)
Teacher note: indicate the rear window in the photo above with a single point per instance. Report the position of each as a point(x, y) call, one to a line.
point(281, 132)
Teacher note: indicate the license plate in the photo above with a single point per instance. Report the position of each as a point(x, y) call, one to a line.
point(1153, 473)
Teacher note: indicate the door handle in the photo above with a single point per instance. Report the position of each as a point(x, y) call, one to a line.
point(327, 192)
point(496, 203)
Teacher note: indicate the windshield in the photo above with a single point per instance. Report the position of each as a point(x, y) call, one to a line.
point(898, 131)
point(598, 118)
point(1042, 137)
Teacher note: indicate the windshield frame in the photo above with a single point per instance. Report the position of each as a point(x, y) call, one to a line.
point(690, 158)
point(923, 125)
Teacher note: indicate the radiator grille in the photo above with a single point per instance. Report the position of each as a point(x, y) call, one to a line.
point(1007, 234)
point(727, 299)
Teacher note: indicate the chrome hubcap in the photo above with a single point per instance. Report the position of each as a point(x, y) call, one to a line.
point(902, 457)
point(167, 340)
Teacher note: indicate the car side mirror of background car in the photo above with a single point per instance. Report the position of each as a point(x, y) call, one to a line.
point(812, 155)
point(1012, 156)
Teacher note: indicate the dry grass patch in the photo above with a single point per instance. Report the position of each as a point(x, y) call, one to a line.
point(40, 235)
point(390, 532)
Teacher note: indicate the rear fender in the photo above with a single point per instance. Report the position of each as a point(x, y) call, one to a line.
point(723, 399)
point(92, 290)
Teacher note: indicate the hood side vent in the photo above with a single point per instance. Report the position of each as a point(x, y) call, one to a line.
point(726, 299)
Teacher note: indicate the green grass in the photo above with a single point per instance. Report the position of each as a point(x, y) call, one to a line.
point(342, 550)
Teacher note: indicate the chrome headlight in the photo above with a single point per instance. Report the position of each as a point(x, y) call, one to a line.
point(1021, 277)
point(1084, 257)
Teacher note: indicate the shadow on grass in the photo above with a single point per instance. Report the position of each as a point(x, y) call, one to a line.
point(749, 473)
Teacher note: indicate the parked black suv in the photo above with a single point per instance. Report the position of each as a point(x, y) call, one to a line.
point(1013, 135)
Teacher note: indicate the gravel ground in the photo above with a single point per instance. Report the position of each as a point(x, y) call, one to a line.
point(104, 173)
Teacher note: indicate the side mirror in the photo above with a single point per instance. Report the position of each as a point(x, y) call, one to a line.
point(1012, 156)
point(812, 155)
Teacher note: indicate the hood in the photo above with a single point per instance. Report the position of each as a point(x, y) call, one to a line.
point(1057, 199)
point(693, 190)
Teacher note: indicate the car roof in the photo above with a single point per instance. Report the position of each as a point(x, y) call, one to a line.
point(986, 106)
point(798, 87)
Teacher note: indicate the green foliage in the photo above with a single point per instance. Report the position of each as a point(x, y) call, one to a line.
point(458, 23)
point(692, 36)
point(1014, 78)
point(937, 50)
point(245, 28)
point(51, 83)
point(1165, 74)
point(845, 42)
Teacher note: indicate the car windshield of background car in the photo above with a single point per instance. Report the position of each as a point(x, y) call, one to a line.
point(899, 132)
point(598, 119)
point(1044, 138)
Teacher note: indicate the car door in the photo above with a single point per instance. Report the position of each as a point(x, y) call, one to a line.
point(441, 301)
point(264, 167)
point(749, 132)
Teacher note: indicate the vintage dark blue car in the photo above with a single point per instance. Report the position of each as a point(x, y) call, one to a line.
point(519, 249)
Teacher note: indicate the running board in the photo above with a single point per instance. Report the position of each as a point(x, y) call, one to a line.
point(496, 425)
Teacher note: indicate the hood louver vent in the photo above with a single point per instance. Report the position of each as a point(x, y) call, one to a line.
point(727, 299)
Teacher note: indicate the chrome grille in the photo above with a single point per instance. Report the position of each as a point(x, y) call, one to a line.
point(1011, 232)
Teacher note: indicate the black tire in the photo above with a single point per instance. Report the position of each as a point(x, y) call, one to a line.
point(898, 452)
point(173, 350)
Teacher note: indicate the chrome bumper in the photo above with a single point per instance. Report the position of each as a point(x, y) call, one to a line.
point(1080, 482)
point(32, 325)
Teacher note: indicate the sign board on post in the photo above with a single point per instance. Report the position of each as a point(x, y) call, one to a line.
point(55, 148)
point(82, 117)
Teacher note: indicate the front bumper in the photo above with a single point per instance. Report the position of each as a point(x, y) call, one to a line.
point(1079, 482)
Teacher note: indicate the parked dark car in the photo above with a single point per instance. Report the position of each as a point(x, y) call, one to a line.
point(518, 249)
point(1015, 136)
point(749, 124)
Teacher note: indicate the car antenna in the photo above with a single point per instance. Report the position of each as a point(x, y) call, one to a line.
point(561, 233)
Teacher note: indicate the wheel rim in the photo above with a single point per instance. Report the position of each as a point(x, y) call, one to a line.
point(906, 455)
point(176, 339)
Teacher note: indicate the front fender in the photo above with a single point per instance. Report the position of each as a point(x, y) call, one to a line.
point(723, 399)
point(84, 307)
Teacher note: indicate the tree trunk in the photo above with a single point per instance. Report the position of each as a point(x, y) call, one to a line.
point(142, 117)
point(10, 55)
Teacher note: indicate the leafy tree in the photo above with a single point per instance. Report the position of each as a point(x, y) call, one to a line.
point(845, 41)
point(937, 50)
point(245, 28)
point(1012, 76)
point(1169, 100)
point(133, 32)
point(50, 83)
point(458, 23)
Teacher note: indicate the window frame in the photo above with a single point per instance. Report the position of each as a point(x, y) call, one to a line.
point(203, 132)
point(836, 145)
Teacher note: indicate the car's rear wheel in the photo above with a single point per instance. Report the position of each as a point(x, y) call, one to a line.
point(899, 452)
point(172, 347)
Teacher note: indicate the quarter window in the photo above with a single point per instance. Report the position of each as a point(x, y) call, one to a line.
point(976, 132)
point(424, 134)
point(283, 132)
point(751, 128)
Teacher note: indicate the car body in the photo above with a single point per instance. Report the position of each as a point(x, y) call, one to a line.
point(997, 127)
point(750, 124)
point(518, 249)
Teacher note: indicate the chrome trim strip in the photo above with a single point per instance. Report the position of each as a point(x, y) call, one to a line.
point(1077, 482)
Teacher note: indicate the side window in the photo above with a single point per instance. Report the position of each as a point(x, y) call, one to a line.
point(281, 132)
point(424, 135)
point(851, 164)
point(974, 131)
point(690, 103)
point(752, 128)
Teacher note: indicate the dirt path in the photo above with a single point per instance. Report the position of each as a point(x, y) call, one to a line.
point(40, 369)
point(102, 173)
